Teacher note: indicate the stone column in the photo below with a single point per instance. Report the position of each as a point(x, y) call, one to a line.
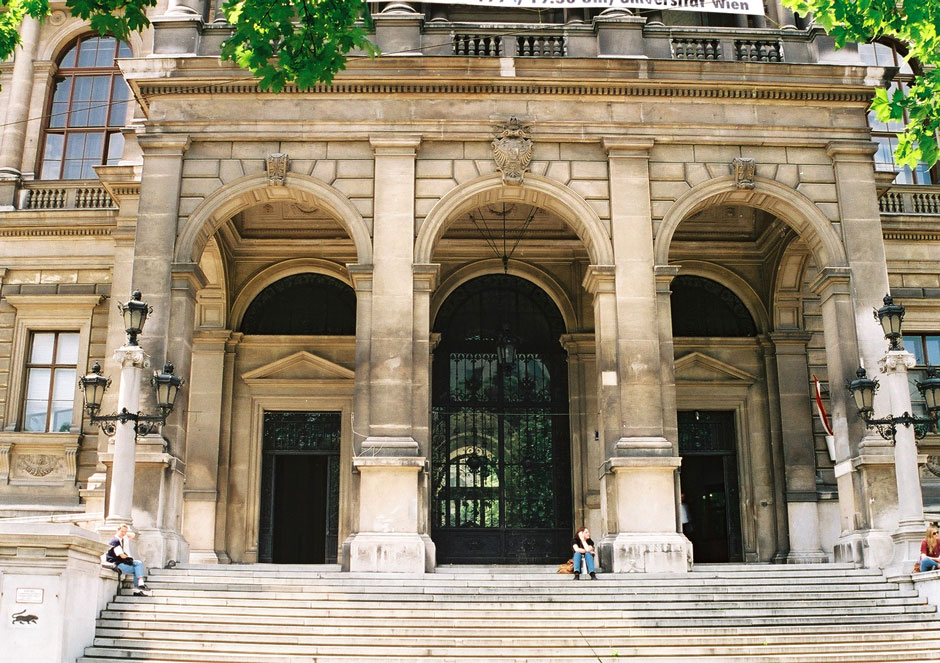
point(864, 246)
point(642, 463)
point(910, 530)
point(799, 449)
point(201, 493)
point(14, 128)
point(123, 459)
point(785, 17)
point(160, 465)
point(388, 536)
point(861, 473)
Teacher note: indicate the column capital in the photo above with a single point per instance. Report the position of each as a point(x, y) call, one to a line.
point(628, 147)
point(664, 274)
point(578, 344)
point(187, 276)
point(361, 276)
point(426, 276)
point(897, 361)
point(832, 281)
point(173, 145)
point(599, 278)
point(851, 150)
point(211, 340)
point(790, 341)
point(394, 146)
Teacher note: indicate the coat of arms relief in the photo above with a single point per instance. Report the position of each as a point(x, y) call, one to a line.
point(512, 151)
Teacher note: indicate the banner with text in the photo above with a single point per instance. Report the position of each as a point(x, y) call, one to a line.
point(754, 7)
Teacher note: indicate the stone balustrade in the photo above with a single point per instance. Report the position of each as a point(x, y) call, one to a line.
point(64, 194)
point(911, 200)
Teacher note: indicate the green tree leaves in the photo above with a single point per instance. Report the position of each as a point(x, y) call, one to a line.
point(303, 42)
point(915, 24)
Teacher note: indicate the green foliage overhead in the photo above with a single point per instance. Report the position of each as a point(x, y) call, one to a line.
point(303, 42)
point(913, 25)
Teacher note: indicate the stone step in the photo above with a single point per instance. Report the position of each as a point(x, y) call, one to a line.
point(505, 655)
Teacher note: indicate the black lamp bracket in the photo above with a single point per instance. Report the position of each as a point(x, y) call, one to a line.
point(144, 424)
point(887, 427)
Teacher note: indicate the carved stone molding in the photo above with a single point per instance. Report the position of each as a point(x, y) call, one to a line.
point(5, 462)
point(38, 465)
point(893, 360)
point(744, 169)
point(512, 151)
point(276, 167)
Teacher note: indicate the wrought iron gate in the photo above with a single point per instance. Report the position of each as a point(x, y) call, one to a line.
point(501, 475)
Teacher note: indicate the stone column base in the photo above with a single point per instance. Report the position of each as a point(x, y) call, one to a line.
point(907, 539)
point(650, 553)
point(871, 549)
point(159, 546)
point(387, 552)
point(807, 557)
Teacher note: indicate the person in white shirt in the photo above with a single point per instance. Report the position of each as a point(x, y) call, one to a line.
point(117, 555)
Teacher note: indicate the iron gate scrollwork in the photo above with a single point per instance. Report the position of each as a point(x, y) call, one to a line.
point(501, 477)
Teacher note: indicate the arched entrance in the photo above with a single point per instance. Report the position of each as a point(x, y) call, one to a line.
point(300, 451)
point(501, 468)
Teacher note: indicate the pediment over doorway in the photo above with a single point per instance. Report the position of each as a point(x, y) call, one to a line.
point(299, 367)
point(698, 367)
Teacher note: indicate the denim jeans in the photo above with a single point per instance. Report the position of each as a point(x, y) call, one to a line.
point(137, 568)
point(928, 565)
point(588, 558)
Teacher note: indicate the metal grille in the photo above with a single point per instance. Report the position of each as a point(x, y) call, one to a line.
point(501, 484)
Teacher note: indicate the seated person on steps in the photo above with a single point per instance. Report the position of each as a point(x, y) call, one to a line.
point(118, 556)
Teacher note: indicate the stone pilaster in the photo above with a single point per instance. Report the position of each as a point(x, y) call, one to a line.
point(178, 31)
point(798, 445)
point(200, 493)
point(862, 475)
point(15, 123)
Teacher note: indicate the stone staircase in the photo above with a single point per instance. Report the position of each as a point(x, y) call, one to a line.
point(717, 613)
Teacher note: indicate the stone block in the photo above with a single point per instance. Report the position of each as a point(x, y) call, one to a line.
point(807, 155)
point(919, 281)
point(582, 152)
point(818, 192)
point(364, 205)
point(253, 166)
point(485, 166)
point(301, 166)
point(434, 168)
point(230, 170)
point(354, 187)
point(200, 168)
point(816, 173)
point(76, 288)
point(667, 190)
point(256, 150)
point(719, 169)
point(189, 205)
point(547, 151)
point(767, 170)
point(349, 150)
point(423, 206)
point(303, 150)
point(660, 207)
point(696, 173)
point(831, 210)
point(559, 171)
point(433, 188)
point(538, 168)
point(464, 171)
point(590, 188)
point(667, 171)
point(21, 276)
point(765, 154)
point(58, 276)
point(439, 149)
point(205, 149)
point(354, 168)
point(589, 170)
point(601, 207)
point(478, 150)
point(199, 186)
point(672, 153)
point(717, 153)
point(325, 171)
point(94, 276)
point(788, 175)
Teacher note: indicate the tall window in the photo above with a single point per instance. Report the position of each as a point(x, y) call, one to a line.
point(89, 107)
point(50, 381)
point(885, 134)
point(926, 351)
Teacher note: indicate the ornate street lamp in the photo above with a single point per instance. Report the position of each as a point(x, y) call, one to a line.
point(165, 384)
point(863, 388)
point(506, 348)
point(890, 316)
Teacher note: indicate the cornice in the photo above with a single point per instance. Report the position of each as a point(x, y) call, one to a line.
point(93, 231)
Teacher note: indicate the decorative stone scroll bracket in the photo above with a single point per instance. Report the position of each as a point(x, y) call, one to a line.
point(744, 169)
point(276, 167)
point(512, 151)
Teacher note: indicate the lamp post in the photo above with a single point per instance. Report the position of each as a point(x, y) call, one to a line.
point(128, 423)
point(903, 429)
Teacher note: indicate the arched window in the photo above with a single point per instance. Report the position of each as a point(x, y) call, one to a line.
point(702, 307)
point(303, 304)
point(89, 106)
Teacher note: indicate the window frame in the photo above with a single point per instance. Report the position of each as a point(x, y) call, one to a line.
point(54, 367)
point(46, 313)
point(107, 131)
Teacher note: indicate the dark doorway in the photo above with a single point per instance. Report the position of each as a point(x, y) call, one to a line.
point(501, 469)
point(709, 481)
point(300, 488)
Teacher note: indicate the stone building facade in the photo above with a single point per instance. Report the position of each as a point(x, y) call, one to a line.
point(518, 274)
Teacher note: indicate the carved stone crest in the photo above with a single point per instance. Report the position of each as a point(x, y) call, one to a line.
point(512, 151)
point(744, 169)
point(276, 167)
point(38, 465)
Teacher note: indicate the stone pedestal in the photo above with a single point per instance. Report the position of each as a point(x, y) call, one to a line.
point(646, 540)
point(388, 539)
point(52, 588)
